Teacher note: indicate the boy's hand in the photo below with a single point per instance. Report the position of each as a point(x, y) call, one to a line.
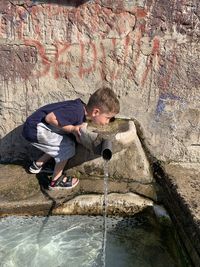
point(76, 131)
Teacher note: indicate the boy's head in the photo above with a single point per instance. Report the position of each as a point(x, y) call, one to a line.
point(102, 106)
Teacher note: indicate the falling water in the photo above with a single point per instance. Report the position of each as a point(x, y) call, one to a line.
point(105, 204)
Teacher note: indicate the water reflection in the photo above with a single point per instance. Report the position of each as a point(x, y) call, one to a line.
point(77, 241)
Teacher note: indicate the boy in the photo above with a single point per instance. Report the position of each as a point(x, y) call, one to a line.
point(51, 128)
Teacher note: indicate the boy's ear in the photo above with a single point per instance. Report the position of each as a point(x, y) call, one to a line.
point(95, 112)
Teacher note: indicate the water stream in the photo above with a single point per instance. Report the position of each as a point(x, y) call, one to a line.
point(105, 205)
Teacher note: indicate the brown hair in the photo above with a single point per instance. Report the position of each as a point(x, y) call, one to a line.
point(104, 99)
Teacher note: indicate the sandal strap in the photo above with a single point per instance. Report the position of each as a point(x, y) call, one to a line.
point(67, 183)
point(61, 183)
point(58, 181)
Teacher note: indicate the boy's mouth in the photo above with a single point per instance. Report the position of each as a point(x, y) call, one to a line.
point(112, 119)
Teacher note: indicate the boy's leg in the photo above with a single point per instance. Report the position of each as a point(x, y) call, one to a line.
point(37, 166)
point(61, 147)
point(43, 159)
point(58, 170)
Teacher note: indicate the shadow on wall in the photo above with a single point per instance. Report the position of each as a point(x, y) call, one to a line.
point(74, 3)
point(14, 148)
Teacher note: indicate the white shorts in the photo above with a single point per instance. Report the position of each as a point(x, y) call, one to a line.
point(54, 142)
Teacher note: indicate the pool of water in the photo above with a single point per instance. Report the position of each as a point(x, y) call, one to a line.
point(77, 241)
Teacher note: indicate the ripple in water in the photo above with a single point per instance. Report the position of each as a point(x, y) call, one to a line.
point(76, 241)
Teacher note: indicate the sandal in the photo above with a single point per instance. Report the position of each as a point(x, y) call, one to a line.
point(61, 184)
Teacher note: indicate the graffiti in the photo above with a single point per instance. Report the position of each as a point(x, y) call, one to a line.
point(17, 62)
point(150, 59)
point(92, 58)
point(167, 69)
point(162, 102)
point(92, 68)
point(47, 23)
point(98, 30)
point(61, 48)
point(45, 61)
point(40, 25)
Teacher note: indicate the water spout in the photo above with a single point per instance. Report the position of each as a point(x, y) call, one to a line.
point(95, 143)
point(106, 149)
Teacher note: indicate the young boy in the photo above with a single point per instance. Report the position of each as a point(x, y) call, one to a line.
point(55, 128)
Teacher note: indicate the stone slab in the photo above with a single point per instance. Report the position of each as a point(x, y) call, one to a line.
point(117, 204)
point(22, 193)
point(186, 178)
point(181, 185)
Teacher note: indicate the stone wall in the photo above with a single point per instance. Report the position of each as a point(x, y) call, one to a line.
point(147, 51)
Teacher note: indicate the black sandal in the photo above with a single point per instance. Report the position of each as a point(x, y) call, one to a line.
point(61, 184)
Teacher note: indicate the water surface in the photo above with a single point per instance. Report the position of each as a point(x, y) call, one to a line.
point(76, 241)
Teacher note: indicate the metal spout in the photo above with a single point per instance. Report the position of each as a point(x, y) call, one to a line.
point(106, 149)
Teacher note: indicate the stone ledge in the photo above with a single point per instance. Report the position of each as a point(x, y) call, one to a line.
point(22, 193)
point(186, 178)
point(123, 204)
point(180, 183)
point(31, 208)
point(91, 185)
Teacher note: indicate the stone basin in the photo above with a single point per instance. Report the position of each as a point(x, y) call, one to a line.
point(129, 169)
point(131, 187)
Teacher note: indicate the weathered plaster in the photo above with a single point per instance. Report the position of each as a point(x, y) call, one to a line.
point(147, 51)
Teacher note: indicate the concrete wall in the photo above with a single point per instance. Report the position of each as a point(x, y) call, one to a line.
point(147, 51)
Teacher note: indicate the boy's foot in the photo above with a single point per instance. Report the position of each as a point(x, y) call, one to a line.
point(36, 169)
point(64, 182)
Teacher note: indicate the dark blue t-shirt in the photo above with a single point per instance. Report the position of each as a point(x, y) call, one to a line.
point(69, 112)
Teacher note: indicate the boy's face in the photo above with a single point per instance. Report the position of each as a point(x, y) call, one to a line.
point(101, 118)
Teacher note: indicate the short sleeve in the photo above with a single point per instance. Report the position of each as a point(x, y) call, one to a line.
point(66, 116)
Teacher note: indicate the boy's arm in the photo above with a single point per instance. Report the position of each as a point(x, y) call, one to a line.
point(52, 120)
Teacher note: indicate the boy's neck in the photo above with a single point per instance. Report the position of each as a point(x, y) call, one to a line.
point(85, 110)
point(87, 113)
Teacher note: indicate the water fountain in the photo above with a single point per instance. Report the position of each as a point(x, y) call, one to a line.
point(137, 237)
